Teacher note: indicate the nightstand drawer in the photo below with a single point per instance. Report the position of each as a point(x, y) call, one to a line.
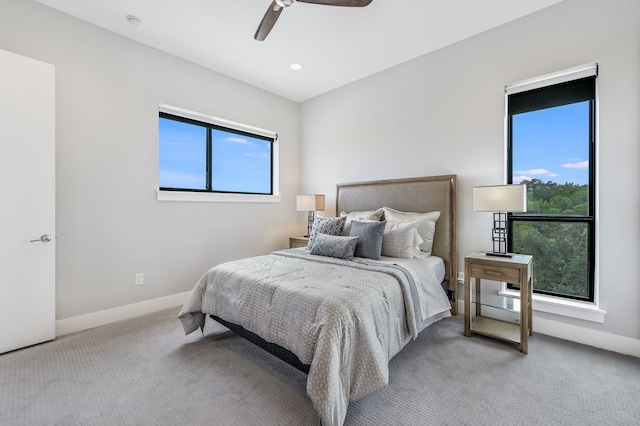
point(488, 272)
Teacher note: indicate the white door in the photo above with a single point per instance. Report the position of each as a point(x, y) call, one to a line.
point(27, 201)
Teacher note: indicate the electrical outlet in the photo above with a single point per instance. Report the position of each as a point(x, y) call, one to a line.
point(139, 280)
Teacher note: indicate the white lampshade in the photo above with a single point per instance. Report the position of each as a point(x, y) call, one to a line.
point(500, 198)
point(310, 203)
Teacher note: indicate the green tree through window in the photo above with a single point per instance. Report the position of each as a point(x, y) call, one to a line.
point(560, 248)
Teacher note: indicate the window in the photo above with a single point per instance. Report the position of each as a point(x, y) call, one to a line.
point(201, 155)
point(551, 128)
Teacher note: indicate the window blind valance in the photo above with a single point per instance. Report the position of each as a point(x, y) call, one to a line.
point(180, 112)
point(564, 87)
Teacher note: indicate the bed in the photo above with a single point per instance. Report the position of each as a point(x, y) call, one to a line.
point(338, 318)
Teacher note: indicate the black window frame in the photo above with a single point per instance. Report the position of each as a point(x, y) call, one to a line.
point(209, 167)
point(567, 92)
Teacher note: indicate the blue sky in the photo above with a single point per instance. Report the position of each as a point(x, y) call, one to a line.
point(552, 144)
point(240, 163)
point(182, 155)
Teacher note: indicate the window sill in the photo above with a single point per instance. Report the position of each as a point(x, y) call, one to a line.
point(214, 197)
point(565, 307)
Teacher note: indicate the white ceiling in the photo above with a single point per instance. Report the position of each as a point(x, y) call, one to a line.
point(336, 45)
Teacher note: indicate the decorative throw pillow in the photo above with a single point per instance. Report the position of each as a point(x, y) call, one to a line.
point(325, 225)
point(426, 223)
point(401, 239)
point(334, 246)
point(370, 235)
point(363, 215)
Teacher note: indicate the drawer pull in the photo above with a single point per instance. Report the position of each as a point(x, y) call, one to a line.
point(496, 273)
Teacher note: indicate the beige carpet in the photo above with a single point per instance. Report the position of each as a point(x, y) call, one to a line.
point(146, 372)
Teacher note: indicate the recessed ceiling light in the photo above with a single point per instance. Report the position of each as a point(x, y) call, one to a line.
point(134, 21)
point(296, 66)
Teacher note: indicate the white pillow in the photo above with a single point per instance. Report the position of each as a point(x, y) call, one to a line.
point(375, 215)
point(426, 223)
point(401, 239)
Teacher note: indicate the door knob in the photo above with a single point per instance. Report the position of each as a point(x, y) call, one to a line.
point(45, 238)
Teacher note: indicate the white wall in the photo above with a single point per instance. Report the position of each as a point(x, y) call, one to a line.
point(440, 113)
point(444, 112)
point(109, 224)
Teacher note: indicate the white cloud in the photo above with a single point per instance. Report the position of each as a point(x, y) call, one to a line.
point(535, 172)
point(582, 165)
point(242, 141)
point(257, 154)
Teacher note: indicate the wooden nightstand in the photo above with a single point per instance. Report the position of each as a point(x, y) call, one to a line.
point(515, 270)
point(295, 242)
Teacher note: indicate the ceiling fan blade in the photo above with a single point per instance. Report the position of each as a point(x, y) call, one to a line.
point(268, 21)
point(346, 3)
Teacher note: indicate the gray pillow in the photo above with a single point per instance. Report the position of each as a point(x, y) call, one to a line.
point(370, 235)
point(325, 225)
point(334, 246)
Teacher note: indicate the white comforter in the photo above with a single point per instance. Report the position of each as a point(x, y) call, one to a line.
point(346, 319)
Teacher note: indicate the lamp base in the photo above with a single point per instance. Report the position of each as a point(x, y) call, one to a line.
point(311, 217)
point(498, 254)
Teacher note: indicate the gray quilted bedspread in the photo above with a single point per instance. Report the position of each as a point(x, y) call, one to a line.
point(345, 319)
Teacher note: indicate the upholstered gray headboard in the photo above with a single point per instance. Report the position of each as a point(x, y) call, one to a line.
point(420, 195)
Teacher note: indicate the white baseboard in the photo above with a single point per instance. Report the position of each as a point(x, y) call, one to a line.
point(108, 316)
point(586, 336)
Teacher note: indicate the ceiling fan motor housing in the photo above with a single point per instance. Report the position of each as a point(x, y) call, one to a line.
point(285, 3)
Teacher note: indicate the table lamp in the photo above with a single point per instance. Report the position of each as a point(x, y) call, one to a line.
point(311, 204)
point(500, 199)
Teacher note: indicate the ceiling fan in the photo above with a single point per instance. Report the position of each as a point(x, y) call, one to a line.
point(273, 13)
